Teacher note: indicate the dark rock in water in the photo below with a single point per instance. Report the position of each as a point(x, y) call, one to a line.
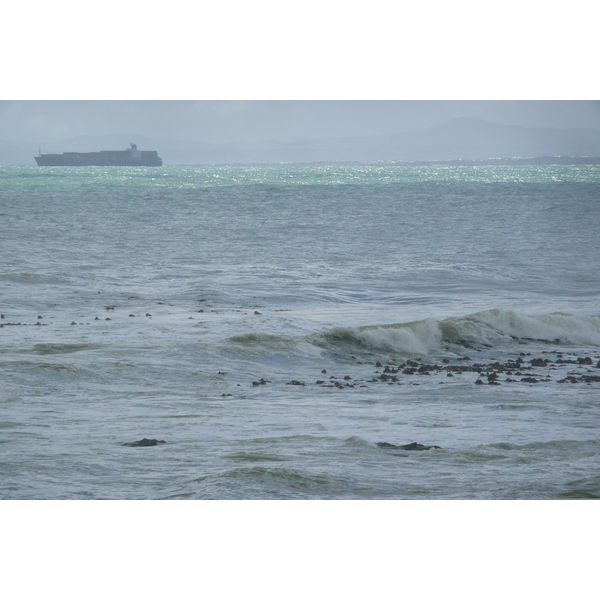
point(413, 446)
point(590, 378)
point(295, 382)
point(539, 362)
point(583, 379)
point(529, 379)
point(584, 361)
point(416, 446)
point(144, 442)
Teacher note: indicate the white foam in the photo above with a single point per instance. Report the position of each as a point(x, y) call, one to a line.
point(491, 327)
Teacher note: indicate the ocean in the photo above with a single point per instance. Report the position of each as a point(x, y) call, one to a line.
point(300, 332)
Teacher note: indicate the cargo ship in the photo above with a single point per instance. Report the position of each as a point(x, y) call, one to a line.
point(132, 157)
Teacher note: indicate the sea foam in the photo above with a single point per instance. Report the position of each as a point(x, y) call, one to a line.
point(488, 328)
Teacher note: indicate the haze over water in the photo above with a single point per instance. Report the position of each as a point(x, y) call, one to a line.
point(201, 306)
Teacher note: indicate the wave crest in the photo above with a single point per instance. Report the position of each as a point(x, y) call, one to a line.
point(488, 329)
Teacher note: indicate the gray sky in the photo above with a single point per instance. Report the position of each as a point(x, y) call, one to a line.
point(163, 73)
point(287, 120)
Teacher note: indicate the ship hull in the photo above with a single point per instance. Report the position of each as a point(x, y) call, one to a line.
point(50, 161)
point(106, 158)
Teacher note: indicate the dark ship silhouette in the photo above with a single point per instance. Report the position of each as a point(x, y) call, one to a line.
point(132, 157)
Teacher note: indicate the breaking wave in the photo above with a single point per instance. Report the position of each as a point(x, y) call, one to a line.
point(483, 329)
point(493, 329)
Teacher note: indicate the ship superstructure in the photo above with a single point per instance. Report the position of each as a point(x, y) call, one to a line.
point(132, 157)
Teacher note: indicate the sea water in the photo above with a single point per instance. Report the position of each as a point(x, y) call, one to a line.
point(274, 324)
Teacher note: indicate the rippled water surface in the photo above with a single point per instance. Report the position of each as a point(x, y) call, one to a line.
point(261, 320)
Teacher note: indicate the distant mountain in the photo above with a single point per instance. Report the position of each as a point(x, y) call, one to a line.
point(463, 138)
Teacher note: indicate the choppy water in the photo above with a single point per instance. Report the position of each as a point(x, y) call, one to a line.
point(201, 306)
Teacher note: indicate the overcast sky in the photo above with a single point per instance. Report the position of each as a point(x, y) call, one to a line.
point(228, 121)
point(369, 65)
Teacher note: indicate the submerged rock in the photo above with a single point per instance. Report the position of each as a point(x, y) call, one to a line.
point(413, 446)
point(145, 442)
point(539, 362)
